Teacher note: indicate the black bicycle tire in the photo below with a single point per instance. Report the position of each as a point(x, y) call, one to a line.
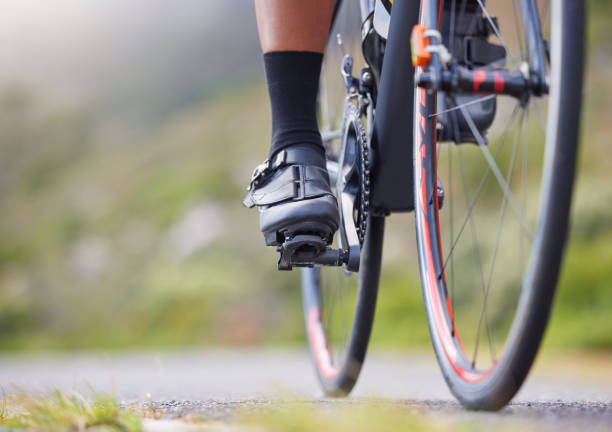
point(496, 389)
point(339, 380)
point(349, 367)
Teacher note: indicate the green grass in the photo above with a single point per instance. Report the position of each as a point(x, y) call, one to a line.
point(368, 416)
point(60, 411)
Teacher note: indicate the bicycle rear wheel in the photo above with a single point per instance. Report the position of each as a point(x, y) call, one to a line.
point(491, 250)
point(339, 305)
point(339, 311)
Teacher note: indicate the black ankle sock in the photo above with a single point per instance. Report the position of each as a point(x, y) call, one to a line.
point(293, 84)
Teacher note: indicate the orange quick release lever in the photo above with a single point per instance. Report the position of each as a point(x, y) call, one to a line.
point(418, 43)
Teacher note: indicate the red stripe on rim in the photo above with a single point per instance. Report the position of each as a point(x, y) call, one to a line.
point(440, 321)
point(441, 324)
point(318, 343)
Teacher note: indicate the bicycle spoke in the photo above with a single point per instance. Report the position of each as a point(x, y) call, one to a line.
point(343, 311)
point(475, 249)
point(456, 107)
point(330, 311)
point(519, 33)
point(500, 222)
point(452, 235)
point(524, 199)
point(479, 189)
point(496, 172)
point(539, 114)
point(337, 290)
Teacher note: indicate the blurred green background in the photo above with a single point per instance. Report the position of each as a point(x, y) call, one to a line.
point(128, 131)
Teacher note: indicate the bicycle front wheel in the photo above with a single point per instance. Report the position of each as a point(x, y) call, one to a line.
point(490, 245)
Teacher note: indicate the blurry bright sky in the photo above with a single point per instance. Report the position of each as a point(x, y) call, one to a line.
point(131, 54)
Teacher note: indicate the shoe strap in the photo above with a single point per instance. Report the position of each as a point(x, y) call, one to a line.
point(294, 182)
point(296, 155)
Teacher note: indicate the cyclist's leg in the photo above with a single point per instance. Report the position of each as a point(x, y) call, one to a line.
point(293, 25)
point(291, 200)
point(293, 35)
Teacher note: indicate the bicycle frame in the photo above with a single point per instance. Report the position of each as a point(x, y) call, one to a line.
point(392, 140)
point(392, 171)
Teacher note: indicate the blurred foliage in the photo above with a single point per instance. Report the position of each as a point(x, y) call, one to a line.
point(113, 235)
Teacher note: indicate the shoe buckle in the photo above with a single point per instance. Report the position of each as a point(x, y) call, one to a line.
point(258, 172)
point(266, 167)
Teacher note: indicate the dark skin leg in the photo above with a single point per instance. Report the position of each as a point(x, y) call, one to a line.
point(293, 25)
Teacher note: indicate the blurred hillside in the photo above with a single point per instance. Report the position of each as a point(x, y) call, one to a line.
point(128, 131)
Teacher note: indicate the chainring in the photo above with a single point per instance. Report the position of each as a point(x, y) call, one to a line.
point(352, 123)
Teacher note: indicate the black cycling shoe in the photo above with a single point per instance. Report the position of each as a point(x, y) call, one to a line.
point(293, 194)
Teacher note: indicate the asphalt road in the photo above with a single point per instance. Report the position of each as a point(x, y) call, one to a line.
point(564, 394)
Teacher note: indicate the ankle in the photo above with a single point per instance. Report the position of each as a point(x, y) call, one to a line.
point(293, 84)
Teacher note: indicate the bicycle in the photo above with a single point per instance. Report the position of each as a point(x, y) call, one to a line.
point(454, 129)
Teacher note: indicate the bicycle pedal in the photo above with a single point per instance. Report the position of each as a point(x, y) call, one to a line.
point(307, 251)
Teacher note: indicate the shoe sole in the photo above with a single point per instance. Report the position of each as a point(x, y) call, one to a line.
point(316, 216)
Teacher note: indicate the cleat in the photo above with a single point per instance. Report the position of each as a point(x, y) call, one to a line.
point(273, 238)
point(308, 251)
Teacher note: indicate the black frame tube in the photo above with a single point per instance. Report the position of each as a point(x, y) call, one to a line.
point(535, 45)
point(392, 170)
